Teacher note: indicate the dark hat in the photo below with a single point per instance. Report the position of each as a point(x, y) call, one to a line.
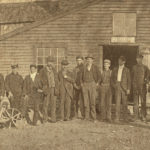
point(107, 61)
point(89, 56)
point(33, 65)
point(139, 56)
point(65, 62)
point(50, 59)
point(14, 66)
point(122, 58)
point(79, 57)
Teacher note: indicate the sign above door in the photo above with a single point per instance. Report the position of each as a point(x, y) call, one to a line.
point(123, 40)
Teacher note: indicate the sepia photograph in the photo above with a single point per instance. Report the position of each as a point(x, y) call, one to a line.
point(74, 74)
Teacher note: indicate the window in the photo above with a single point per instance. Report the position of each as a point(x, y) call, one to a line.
point(43, 53)
point(124, 24)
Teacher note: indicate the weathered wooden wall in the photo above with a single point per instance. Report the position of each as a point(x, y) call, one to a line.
point(81, 31)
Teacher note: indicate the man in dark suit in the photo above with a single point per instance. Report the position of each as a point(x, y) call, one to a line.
point(78, 95)
point(90, 76)
point(121, 82)
point(2, 87)
point(140, 77)
point(66, 80)
point(49, 79)
point(13, 86)
point(32, 92)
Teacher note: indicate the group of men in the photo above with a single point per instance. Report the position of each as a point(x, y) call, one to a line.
point(78, 89)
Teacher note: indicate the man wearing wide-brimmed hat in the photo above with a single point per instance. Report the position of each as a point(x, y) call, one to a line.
point(49, 79)
point(14, 85)
point(90, 76)
point(121, 82)
point(140, 77)
point(66, 80)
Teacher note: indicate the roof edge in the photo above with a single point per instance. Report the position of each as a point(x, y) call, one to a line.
point(38, 23)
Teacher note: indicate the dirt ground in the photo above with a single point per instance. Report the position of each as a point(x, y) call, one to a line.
point(77, 135)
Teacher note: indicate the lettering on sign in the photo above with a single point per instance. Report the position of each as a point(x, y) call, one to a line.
point(123, 40)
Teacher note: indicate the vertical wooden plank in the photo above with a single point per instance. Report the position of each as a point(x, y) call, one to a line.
point(101, 57)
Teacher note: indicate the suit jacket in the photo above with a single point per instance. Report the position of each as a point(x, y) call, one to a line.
point(95, 71)
point(66, 83)
point(30, 87)
point(14, 84)
point(2, 86)
point(125, 79)
point(45, 83)
point(140, 76)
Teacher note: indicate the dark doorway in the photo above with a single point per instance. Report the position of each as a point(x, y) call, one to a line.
point(113, 52)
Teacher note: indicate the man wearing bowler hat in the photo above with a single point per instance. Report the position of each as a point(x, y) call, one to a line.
point(13, 86)
point(140, 77)
point(66, 80)
point(78, 95)
point(49, 79)
point(90, 76)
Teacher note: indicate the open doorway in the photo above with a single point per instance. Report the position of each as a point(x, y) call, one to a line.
point(113, 52)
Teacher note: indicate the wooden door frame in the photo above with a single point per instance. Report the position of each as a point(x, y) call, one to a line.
point(113, 44)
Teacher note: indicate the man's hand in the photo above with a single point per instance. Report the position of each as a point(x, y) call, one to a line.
point(10, 95)
point(128, 92)
point(1, 97)
point(26, 97)
point(77, 87)
point(65, 76)
point(40, 91)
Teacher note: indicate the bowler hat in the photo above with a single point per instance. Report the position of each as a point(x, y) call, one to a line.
point(50, 59)
point(107, 61)
point(33, 65)
point(65, 62)
point(79, 57)
point(14, 66)
point(139, 56)
point(89, 56)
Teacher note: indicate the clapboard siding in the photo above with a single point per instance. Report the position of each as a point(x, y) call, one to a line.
point(81, 31)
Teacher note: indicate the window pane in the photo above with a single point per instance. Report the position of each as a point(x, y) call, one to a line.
point(47, 52)
point(124, 24)
point(40, 60)
point(61, 52)
point(54, 52)
point(45, 60)
point(40, 51)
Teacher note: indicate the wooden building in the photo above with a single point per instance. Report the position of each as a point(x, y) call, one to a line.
point(105, 28)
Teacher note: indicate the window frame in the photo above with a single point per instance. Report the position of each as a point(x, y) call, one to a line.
point(50, 46)
point(125, 34)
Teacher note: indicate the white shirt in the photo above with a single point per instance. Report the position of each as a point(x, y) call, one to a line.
point(33, 75)
point(89, 67)
point(119, 76)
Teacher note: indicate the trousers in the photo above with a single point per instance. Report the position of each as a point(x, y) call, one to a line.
point(36, 107)
point(78, 102)
point(139, 93)
point(49, 101)
point(89, 94)
point(120, 95)
point(106, 101)
point(65, 104)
